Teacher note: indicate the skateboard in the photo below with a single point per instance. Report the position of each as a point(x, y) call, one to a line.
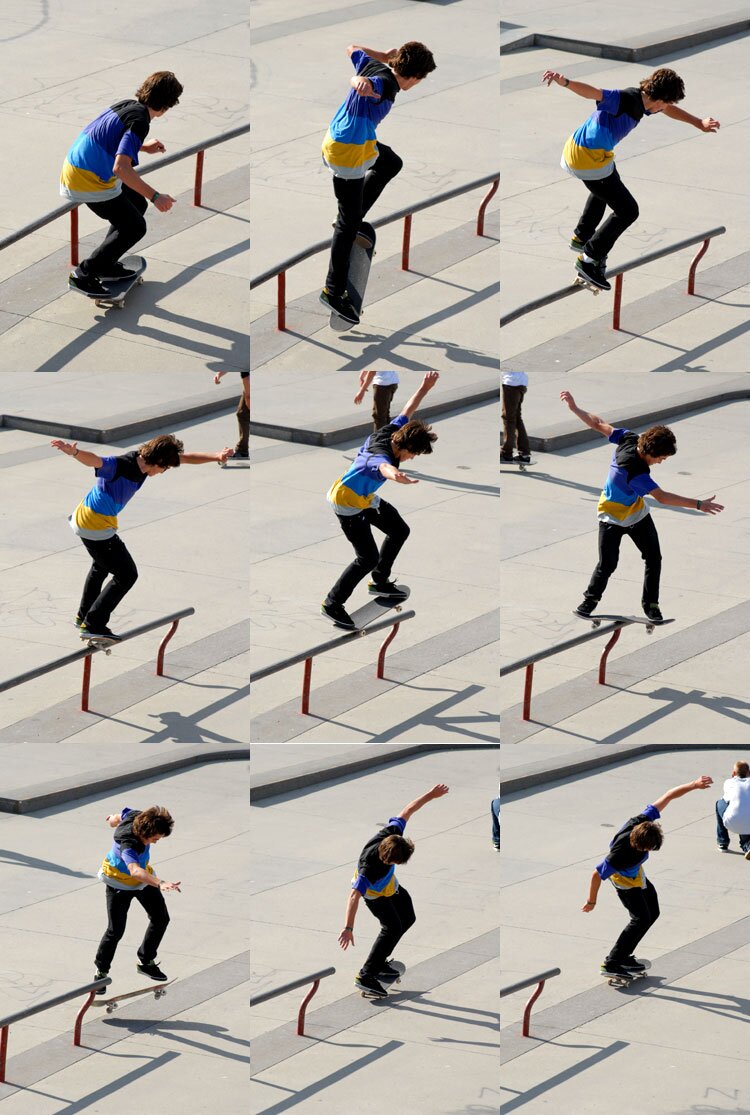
point(625, 981)
point(363, 249)
point(520, 465)
point(103, 643)
point(116, 289)
point(235, 462)
point(597, 618)
point(581, 281)
point(377, 608)
point(158, 990)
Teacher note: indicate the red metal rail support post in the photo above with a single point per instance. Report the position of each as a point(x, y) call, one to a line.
point(86, 682)
point(281, 301)
point(198, 186)
point(488, 197)
point(406, 243)
point(74, 237)
point(696, 260)
point(3, 1052)
point(529, 1005)
point(605, 655)
point(384, 647)
point(305, 708)
point(617, 302)
point(163, 647)
point(528, 682)
point(301, 1014)
point(79, 1018)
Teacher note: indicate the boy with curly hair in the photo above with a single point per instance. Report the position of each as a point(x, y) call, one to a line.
point(99, 171)
point(358, 507)
point(623, 511)
point(94, 520)
point(589, 155)
point(361, 165)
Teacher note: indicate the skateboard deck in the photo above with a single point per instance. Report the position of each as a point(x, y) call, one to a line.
point(624, 981)
point(596, 619)
point(520, 465)
point(235, 462)
point(158, 990)
point(116, 289)
point(377, 608)
point(388, 980)
point(581, 281)
point(363, 249)
point(100, 644)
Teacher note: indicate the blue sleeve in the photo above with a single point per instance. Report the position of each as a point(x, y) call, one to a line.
point(127, 855)
point(130, 145)
point(108, 469)
point(643, 484)
point(359, 60)
point(651, 813)
point(399, 823)
point(610, 101)
point(401, 421)
point(617, 435)
point(360, 884)
point(604, 869)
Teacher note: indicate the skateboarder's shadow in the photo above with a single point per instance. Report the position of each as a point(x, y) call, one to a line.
point(733, 1007)
point(485, 1019)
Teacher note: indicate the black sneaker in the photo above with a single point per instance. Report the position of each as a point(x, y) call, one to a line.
point(495, 846)
point(79, 621)
point(338, 614)
point(576, 245)
point(101, 975)
point(633, 965)
point(586, 607)
point(389, 589)
point(340, 304)
point(387, 972)
point(722, 847)
point(610, 968)
point(240, 454)
point(98, 631)
point(113, 272)
point(522, 459)
point(652, 612)
point(87, 284)
point(371, 985)
point(593, 273)
point(153, 971)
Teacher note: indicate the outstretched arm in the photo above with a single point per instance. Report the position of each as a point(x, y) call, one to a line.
point(365, 379)
point(580, 88)
point(438, 791)
point(669, 499)
point(384, 56)
point(701, 783)
point(70, 449)
point(206, 458)
point(591, 420)
point(428, 382)
point(707, 124)
point(346, 936)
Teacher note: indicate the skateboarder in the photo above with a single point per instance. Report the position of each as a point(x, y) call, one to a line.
point(384, 387)
point(622, 510)
point(95, 521)
point(99, 171)
point(127, 874)
point(359, 508)
point(495, 814)
point(242, 448)
point(361, 165)
point(515, 386)
point(589, 155)
point(733, 809)
point(375, 881)
point(623, 865)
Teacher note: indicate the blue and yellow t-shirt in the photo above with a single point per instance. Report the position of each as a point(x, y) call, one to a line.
point(349, 148)
point(373, 878)
point(127, 848)
point(357, 489)
point(629, 479)
point(88, 171)
point(623, 864)
point(117, 481)
point(589, 152)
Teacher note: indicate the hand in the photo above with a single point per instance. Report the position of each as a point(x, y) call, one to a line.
point(156, 147)
point(363, 88)
point(346, 938)
point(164, 203)
point(218, 377)
point(169, 886)
point(551, 75)
point(66, 447)
point(391, 54)
point(707, 505)
point(568, 399)
point(359, 397)
point(225, 454)
point(709, 124)
point(402, 478)
point(703, 782)
point(429, 380)
point(439, 791)
point(588, 907)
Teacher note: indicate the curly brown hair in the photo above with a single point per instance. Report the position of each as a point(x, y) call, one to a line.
point(413, 59)
point(657, 441)
point(395, 849)
point(154, 821)
point(647, 837)
point(415, 437)
point(663, 85)
point(163, 450)
point(159, 90)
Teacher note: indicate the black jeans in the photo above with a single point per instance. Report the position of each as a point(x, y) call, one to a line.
point(382, 397)
point(612, 192)
point(396, 915)
point(358, 529)
point(127, 226)
point(646, 539)
point(356, 196)
point(514, 430)
point(118, 904)
point(643, 907)
point(109, 558)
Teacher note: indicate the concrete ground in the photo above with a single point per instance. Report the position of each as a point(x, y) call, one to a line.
point(59, 68)
point(446, 131)
point(435, 1038)
point(674, 1040)
point(440, 674)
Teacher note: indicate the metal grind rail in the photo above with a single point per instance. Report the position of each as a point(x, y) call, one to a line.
point(87, 652)
point(527, 663)
point(197, 149)
point(540, 981)
point(279, 271)
point(307, 656)
point(617, 273)
point(314, 978)
point(89, 989)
